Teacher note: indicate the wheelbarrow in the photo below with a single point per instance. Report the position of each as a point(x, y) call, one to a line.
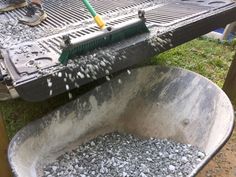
point(151, 101)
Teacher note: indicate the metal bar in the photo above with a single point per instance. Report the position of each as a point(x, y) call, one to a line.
point(230, 82)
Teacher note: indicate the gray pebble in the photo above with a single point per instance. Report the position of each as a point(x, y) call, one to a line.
point(118, 154)
point(171, 168)
point(184, 159)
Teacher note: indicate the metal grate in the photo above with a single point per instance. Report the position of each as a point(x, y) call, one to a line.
point(175, 12)
point(63, 13)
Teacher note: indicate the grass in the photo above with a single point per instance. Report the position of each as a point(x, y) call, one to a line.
point(17, 113)
point(209, 58)
point(206, 57)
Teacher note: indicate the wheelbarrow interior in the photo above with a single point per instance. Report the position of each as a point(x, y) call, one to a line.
point(159, 102)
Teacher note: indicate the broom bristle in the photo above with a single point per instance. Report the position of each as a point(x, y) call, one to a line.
point(105, 39)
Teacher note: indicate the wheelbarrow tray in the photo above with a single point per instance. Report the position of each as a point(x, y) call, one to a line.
point(152, 101)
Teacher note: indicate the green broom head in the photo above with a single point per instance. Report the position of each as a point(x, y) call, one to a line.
point(102, 38)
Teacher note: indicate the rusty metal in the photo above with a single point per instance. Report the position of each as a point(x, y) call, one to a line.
point(5, 169)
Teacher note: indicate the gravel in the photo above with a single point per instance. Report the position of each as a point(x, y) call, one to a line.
point(117, 154)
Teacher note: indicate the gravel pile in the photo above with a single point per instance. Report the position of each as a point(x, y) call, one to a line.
point(11, 33)
point(118, 154)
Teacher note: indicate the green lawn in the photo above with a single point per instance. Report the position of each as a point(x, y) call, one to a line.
point(209, 58)
point(206, 57)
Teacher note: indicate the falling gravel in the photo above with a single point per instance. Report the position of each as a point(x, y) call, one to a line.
point(117, 154)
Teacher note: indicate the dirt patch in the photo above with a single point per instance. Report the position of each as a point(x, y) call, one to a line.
point(224, 163)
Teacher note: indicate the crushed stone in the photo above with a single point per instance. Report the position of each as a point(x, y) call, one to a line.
point(119, 154)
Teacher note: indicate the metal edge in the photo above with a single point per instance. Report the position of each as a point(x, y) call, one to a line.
point(180, 35)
